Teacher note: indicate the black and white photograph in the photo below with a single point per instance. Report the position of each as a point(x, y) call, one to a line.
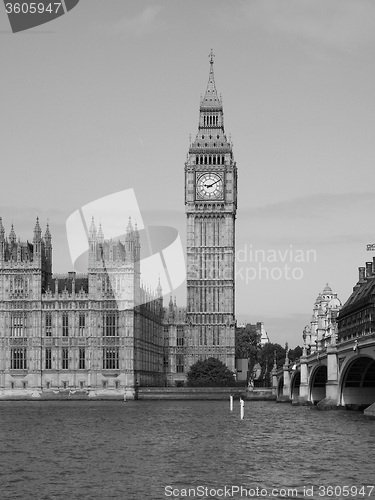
point(187, 249)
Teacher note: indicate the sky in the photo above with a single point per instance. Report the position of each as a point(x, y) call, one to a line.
point(105, 98)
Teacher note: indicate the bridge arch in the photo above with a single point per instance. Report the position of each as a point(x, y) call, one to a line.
point(295, 383)
point(357, 382)
point(317, 384)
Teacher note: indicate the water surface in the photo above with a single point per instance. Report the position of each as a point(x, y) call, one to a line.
point(145, 450)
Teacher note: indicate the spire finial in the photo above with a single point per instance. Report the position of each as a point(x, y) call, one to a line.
point(12, 234)
point(92, 229)
point(47, 234)
point(159, 288)
point(211, 98)
point(129, 227)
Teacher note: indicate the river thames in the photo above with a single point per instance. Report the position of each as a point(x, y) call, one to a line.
point(183, 449)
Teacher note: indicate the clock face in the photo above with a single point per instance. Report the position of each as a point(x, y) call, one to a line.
point(209, 187)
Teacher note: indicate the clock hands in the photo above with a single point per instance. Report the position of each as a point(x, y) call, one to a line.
point(210, 185)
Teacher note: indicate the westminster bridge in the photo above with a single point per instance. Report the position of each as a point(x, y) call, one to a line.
point(337, 366)
point(340, 374)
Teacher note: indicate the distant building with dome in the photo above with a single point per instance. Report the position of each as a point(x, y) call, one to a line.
point(323, 322)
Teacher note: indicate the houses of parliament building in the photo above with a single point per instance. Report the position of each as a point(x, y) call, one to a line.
point(101, 333)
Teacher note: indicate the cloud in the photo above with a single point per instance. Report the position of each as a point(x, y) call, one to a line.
point(339, 24)
point(331, 220)
point(317, 206)
point(25, 217)
point(141, 24)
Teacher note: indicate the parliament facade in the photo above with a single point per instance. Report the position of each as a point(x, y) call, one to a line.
point(95, 332)
point(101, 333)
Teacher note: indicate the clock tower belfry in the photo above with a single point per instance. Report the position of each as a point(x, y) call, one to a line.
point(210, 205)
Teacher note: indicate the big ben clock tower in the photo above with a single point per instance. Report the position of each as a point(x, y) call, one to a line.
point(210, 203)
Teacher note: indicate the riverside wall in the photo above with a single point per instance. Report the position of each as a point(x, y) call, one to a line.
point(141, 393)
point(203, 393)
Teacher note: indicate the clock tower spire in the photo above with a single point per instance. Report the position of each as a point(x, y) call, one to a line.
point(210, 206)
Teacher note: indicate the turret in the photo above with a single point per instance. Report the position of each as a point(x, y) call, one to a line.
point(137, 245)
point(170, 310)
point(159, 289)
point(48, 248)
point(2, 231)
point(110, 250)
point(19, 251)
point(100, 236)
point(92, 244)
point(12, 236)
point(2, 241)
point(37, 231)
point(129, 242)
point(37, 243)
point(92, 230)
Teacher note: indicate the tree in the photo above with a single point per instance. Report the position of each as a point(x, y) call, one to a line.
point(248, 345)
point(295, 353)
point(266, 358)
point(210, 373)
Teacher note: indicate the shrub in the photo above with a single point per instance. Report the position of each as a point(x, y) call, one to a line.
point(210, 373)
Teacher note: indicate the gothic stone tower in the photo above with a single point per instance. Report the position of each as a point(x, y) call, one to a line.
point(25, 273)
point(210, 203)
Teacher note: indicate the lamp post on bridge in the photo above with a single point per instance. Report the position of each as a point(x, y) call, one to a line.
point(304, 383)
point(286, 373)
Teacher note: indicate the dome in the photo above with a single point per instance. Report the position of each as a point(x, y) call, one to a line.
point(334, 303)
point(327, 289)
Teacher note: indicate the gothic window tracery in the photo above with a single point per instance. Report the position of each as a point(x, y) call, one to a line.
point(18, 359)
point(17, 325)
